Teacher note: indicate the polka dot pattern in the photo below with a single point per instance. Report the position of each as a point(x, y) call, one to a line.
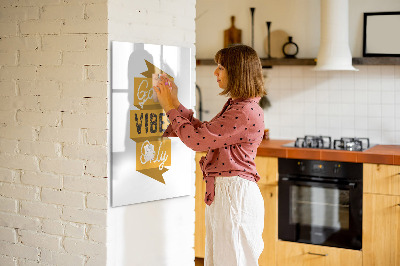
point(231, 139)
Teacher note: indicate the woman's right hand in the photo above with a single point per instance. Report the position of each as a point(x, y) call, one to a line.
point(174, 90)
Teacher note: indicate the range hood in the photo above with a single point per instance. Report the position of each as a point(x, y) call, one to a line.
point(334, 51)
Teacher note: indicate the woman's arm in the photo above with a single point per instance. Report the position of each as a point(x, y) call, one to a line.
point(188, 114)
point(228, 129)
point(173, 95)
point(224, 130)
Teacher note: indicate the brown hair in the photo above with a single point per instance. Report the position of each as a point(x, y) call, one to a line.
point(245, 78)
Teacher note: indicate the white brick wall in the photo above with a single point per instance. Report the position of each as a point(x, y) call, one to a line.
point(53, 127)
point(53, 121)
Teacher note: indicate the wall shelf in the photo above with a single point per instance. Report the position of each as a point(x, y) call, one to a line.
point(376, 61)
point(312, 61)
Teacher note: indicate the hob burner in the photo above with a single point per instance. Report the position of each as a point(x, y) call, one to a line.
point(351, 144)
point(321, 142)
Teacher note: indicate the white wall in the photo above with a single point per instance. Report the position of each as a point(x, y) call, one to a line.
point(53, 121)
point(338, 104)
point(298, 18)
point(159, 232)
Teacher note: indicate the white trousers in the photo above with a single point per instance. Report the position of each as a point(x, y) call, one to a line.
point(234, 223)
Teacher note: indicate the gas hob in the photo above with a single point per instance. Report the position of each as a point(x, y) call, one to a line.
point(325, 142)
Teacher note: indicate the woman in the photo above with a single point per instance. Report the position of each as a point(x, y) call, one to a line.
point(235, 207)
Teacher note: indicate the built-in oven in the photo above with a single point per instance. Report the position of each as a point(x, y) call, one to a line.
point(320, 202)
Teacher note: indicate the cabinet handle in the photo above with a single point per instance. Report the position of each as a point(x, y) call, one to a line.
point(318, 254)
point(398, 204)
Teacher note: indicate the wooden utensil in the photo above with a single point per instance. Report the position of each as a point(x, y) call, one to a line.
point(232, 35)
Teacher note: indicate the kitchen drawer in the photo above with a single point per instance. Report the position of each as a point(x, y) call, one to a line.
point(381, 179)
point(298, 254)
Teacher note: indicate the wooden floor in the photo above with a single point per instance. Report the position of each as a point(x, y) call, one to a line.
point(199, 262)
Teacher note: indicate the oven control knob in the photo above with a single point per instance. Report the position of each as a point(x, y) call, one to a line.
point(336, 169)
point(302, 167)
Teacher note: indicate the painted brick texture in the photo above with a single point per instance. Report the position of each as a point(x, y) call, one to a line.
point(53, 132)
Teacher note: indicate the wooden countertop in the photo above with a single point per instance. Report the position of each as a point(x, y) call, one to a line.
point(379, 154)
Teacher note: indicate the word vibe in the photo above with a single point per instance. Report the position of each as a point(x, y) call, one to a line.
point(147, 123)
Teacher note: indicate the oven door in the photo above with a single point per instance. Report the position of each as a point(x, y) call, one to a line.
point(320, 212)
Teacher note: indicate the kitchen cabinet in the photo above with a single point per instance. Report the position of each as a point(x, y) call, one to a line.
point(270, 233)
point(381, 230)
point(298, 254)
point(381, 179)
point(267, 168)
point(200, 207)
point(381, 221)
point(381, 215)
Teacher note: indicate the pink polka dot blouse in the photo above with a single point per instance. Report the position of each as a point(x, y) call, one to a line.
point(231, 139)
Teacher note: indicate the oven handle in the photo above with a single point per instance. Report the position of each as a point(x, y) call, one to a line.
point(297, 181)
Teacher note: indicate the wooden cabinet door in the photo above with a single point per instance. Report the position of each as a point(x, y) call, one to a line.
point(298, 254)
point(270, 233)
point(200, 207)
point(381, 179)
point(381, 230)
point(267, 168)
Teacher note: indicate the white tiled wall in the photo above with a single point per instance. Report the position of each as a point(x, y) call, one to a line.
point(337, 104)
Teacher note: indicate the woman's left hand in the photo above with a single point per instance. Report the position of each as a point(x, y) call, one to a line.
point(163, 91)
